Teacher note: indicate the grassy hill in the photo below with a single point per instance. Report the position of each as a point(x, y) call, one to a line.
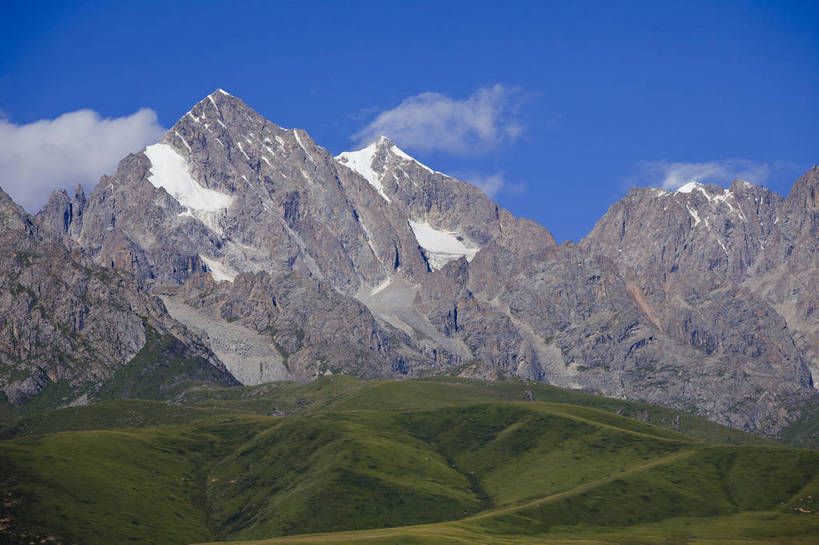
point(426, 461)
point(347, 393)
point(106, 415)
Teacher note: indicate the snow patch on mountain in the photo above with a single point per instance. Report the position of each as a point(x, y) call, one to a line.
point(694, 215)
point(688, 188)
point(169, 170)
point(298, 139)
point(441, 246)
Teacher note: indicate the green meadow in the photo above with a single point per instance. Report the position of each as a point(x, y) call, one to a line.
point(434, 461)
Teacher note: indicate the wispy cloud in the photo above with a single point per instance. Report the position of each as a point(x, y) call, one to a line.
point(493, 184)
point(490, 185)
point(672, 175)
point(432, 121)
point(76, 147)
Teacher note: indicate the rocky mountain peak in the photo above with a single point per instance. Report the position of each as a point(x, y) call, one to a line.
point(14, 221)
point(374, 162)
point(219, 119)
point(741, 183)
point(8, 206)
point(62, 215)
point(222, 103)
point(805, 191)
point(79, 194)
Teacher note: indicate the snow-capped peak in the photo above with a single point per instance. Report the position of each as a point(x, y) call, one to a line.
point(400, 153)
point(689, 187)
point(716, 196)
point(363, 160)
point(739, 182)
point(720, 196)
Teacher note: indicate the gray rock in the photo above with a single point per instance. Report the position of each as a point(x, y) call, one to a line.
point(67, 324)
point(372, 264)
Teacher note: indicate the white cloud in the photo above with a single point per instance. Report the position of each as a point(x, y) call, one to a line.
point(672, 175)
point(432, 121)
point(76, 147)
point(493, 184)
point(490, 185)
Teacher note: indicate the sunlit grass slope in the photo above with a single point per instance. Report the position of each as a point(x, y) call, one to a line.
point(698, 495)
point(347, 393)
point(427, 461)
point(749, 528)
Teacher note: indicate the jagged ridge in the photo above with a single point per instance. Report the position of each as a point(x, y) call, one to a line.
point(373, 264)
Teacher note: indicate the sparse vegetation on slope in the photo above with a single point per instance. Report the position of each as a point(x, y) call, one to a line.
point(162, 369)
point(129, 413)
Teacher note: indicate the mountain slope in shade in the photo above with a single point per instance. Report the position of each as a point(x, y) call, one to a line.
point(67, 326)
point(372, 264)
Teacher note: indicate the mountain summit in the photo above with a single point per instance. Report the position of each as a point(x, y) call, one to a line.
point(376, 161)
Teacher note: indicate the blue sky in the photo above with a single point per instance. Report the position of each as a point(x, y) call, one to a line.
point(555, 107)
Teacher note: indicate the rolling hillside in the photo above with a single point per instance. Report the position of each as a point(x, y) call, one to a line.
point(459, 461)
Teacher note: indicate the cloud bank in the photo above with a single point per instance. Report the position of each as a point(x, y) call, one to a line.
point(432, 121)
point(76, 147)
point(672, 175)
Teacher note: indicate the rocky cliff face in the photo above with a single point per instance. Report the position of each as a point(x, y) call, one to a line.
point(292, 263)
point(67, 325)
point(786, 276)
point(229, 203)
point(724, 271)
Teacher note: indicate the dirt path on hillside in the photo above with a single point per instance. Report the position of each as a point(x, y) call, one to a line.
point(449, 528)
point(583, 487)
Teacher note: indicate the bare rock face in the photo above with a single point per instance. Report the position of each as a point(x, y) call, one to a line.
point(62, 215)
point(67, 325)
point(786, 276)
point(291, 263)
point(314, 329)
point(229, 195)
point(710, 267)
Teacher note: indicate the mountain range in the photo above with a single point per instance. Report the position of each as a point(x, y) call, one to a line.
point(235, 251)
